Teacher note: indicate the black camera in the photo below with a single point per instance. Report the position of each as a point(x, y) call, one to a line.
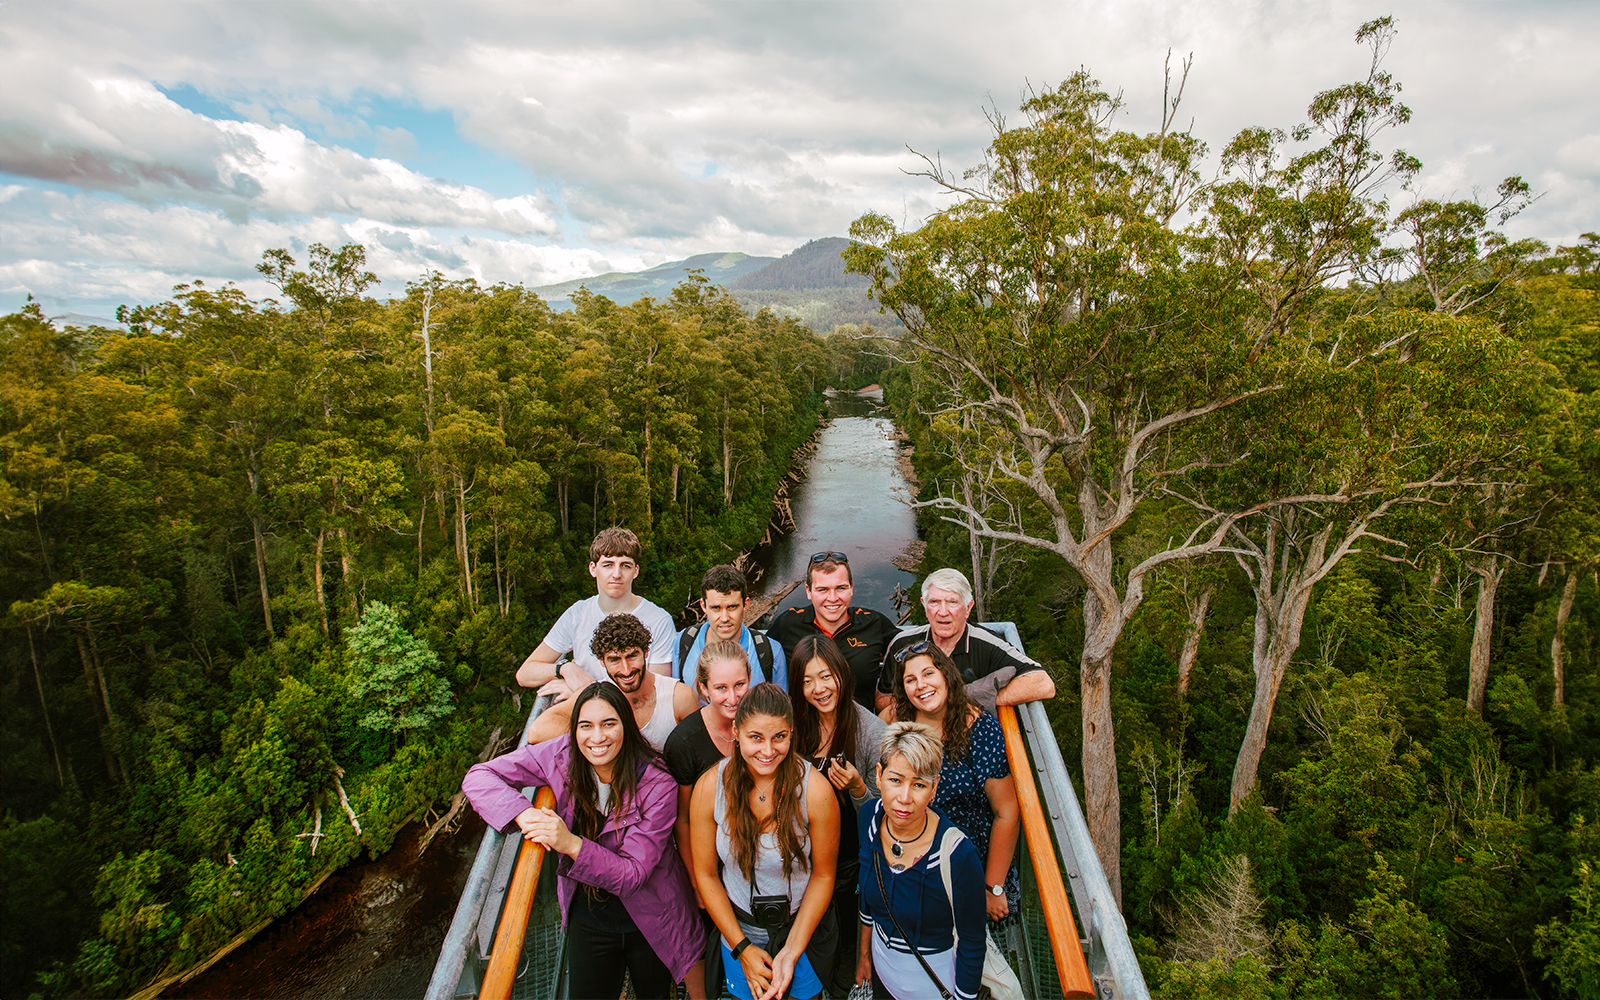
point(770, 912)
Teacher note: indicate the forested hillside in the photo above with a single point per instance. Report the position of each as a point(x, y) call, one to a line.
point(267, 567)
point(1294, 487)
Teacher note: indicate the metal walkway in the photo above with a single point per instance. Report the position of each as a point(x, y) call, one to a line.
point(506, 939)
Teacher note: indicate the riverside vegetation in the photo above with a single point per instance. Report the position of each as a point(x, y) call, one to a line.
point(1303, 486)
point(268, 566)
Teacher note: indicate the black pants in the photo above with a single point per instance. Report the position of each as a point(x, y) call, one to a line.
point(596, 961)
point(838, 969)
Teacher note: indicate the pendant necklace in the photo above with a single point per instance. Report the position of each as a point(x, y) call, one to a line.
point(898, 848)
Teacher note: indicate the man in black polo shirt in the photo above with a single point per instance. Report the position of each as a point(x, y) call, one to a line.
point(997, 673)
point(862, 633)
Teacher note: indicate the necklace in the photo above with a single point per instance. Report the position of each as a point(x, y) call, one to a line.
point(898, 847)
point(718, 736)
point(762, 796)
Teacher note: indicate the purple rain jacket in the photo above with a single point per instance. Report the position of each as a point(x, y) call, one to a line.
point(635, 858)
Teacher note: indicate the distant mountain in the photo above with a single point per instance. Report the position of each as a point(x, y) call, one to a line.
point(815, 265)
point(808, 283)
point(81, 320)
point(657, 282)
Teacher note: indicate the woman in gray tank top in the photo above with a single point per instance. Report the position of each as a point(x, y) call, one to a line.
point(771, 823)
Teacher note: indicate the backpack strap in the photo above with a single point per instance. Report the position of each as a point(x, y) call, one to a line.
point(952, 839)
point(763, 653)
point(686, 640)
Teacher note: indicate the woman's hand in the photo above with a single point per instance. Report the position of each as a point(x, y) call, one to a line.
point(757, 965)
point(997, 905)
point(846, 778)
point(546, 829)
point(782, 974)
point(864, 967)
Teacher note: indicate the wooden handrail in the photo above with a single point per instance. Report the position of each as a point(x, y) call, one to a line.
point(1058, 922)
point(507, 953)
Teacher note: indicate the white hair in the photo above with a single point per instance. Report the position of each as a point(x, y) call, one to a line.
point(949, 579)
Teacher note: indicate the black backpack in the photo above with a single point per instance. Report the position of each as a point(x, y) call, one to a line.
point(687, 638)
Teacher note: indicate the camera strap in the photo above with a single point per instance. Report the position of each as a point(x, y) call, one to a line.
point(877, 870)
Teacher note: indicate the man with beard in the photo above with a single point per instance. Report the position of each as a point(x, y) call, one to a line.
point(659, 703)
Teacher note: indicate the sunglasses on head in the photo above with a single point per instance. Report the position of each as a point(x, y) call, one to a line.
point(818, 558)
point(915, 649)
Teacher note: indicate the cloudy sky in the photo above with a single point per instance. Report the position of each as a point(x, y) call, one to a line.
point(145, 144)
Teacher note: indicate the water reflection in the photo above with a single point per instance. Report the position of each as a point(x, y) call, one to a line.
point(849, 502)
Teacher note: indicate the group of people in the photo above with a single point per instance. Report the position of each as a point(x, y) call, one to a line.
point(778, 815)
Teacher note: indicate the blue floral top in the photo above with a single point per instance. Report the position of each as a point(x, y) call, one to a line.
point(961, 797)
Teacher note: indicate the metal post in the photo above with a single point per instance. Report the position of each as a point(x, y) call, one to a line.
point(453, 953)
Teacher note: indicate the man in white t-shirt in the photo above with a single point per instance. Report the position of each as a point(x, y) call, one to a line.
point(614, 564)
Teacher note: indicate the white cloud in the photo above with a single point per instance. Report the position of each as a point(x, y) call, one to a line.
point(124, 135)
point(91, 253)
point(656, 130)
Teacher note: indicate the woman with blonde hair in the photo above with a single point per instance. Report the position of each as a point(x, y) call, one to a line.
point(921, 880)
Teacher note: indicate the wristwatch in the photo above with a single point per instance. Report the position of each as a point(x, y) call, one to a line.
point(997, 890)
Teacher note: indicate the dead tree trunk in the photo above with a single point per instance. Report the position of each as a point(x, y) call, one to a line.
point(316, 580)
point(980, 591)
point(1490, 572)
point(1558, 643)
point(463, 551)
point(261, 572)
point(44, 710)
point(1191, 638)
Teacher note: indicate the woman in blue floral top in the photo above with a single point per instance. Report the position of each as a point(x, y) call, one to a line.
point(976, 790)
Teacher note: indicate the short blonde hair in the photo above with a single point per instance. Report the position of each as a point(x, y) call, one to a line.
point(918, 744)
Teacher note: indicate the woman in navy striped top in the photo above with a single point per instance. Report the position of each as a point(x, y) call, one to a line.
point(922, 890)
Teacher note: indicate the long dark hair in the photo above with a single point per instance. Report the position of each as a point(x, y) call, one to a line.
point(957, 706)
point(737, 782)
point(635, 754)
point(807, 720)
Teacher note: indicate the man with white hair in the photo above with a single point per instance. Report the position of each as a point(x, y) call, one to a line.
point(996, 672)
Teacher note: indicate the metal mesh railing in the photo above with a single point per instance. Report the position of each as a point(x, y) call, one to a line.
point(540, 974)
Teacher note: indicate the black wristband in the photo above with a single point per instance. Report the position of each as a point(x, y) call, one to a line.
point(739, 948)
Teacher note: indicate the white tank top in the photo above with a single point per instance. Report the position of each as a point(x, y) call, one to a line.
point(769, 877)
point(663, 720)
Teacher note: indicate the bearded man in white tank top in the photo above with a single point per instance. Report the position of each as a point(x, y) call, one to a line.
point(659, 702)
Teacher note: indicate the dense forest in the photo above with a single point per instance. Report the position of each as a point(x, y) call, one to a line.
point(1289, 474)
point(268, 567)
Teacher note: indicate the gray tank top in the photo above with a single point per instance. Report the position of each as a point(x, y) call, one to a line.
point(769, 880)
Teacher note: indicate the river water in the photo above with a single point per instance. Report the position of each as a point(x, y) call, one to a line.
point(373, 930)
point(850, 502)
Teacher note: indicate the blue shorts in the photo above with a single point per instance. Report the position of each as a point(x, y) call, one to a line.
point(804, 984)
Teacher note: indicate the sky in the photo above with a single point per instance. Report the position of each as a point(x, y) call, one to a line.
point(147, 144)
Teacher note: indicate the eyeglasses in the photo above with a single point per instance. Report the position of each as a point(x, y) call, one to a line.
point(915, 649)
point(818, 558)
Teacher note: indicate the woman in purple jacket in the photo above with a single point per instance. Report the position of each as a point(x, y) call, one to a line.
point(624, 895)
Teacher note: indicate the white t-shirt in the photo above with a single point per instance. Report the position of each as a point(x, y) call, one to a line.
point(574, 630)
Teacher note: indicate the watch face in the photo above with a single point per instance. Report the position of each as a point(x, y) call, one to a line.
point(997, 890)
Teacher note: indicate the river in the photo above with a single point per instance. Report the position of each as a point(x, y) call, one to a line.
point(848, 502)
point(373, 930)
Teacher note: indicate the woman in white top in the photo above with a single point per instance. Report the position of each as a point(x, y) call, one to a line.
point(773, 823)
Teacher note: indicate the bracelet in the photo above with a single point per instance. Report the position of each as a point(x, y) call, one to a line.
point(739, 948)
